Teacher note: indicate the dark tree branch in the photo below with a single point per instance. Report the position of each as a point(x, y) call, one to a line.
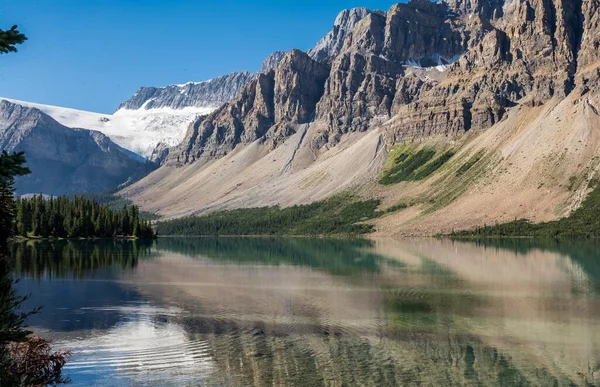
point(9, 39)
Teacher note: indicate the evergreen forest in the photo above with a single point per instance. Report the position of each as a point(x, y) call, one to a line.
point(77, 217)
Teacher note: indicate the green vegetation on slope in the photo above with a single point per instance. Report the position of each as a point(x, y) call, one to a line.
point(77, 217)
point(406, 165)
point(582, 223)
point(469, 164)
point(340, 214)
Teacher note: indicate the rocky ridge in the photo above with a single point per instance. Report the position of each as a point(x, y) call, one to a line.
point(331, 44)
point(271, 62)
point(212, 93)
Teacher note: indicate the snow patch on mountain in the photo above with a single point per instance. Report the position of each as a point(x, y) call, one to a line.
point(139, 130)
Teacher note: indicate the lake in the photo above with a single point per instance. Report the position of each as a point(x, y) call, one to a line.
point(317, 312)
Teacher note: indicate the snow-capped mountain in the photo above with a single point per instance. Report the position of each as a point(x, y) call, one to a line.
point(139, 131)
point(153, 117)
point(65, 160)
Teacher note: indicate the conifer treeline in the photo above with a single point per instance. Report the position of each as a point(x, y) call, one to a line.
point(77, 217)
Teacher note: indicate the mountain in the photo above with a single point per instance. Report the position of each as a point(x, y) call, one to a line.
point(153, 119)
point(207, 94)
point(139, 131)
point(270, 62)
point(65, 160)
point(507, 91)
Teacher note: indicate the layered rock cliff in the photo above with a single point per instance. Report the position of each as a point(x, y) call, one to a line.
point(349, 79)
point(530, 54)
point(262, 110)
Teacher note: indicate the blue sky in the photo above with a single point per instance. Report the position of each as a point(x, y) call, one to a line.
point(93, 54)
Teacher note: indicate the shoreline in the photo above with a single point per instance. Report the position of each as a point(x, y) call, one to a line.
point(26, 239)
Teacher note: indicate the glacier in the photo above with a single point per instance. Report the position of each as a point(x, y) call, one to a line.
point(139, 131)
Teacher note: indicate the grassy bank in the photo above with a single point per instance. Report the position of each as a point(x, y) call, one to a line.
point(342, 215)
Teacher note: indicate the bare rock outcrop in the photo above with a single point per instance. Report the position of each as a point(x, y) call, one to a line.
point(533, 52)
point(368, 76)
point(588, 63)
point(271, 62)
point(299, 84)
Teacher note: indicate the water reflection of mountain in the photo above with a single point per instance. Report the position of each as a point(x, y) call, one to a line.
point(259, 359)
point(584, 253)
point(269, 311)
point(445, 314)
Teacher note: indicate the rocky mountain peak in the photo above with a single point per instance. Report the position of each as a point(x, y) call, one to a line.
point(331, 44)
point(271, 61)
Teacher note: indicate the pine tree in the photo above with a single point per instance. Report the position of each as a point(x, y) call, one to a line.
point(9, 39)
point(22, 219)
point(11, 321)
point(125, 222)
point(136, 228)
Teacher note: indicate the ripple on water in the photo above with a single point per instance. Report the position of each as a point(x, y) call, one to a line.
point(146, 349)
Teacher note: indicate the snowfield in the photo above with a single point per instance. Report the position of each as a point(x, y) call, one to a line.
point(139, 131)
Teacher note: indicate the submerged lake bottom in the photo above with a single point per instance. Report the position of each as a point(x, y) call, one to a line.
point(317, 312)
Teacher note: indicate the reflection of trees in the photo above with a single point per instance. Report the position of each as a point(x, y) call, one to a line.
point(337, 256)
point(75, 258)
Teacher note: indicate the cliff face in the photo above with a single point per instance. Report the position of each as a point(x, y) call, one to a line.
point(446, 67)
point(353, 76)
point(287, 94)
point(533, 51)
